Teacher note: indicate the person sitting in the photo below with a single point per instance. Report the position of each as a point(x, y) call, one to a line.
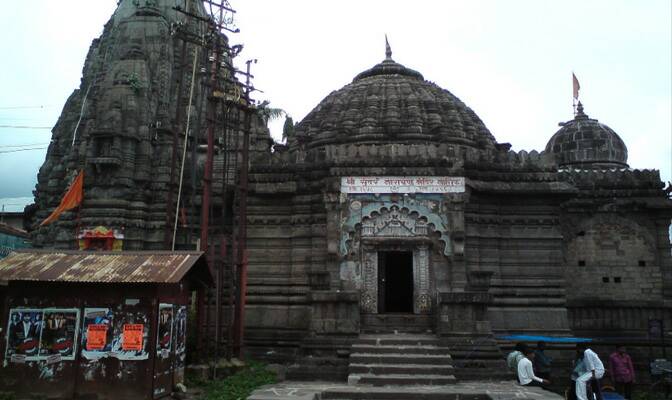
point(526, 375)
point(578, 369)
point(515, 356)
point(594, 370)
point(542, 362)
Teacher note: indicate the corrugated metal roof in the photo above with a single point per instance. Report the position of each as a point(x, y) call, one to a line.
point(101, 267)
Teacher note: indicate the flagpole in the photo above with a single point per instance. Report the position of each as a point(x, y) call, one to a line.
point(574, 93)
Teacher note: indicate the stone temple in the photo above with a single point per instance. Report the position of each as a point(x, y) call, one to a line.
point(391, 207)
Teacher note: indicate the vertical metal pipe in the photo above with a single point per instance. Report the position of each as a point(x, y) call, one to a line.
point(242, 229)
point(177, 127)
point(218, 295)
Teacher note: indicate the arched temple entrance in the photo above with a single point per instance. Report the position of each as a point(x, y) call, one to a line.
point(394, 245)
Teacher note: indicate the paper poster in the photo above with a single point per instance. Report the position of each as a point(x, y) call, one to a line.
point(96, 336)
point(132, 337)
point(180, 337)
point(23, 334)
point(42, 334)
point(165, 336)
point(181, 330)
point(59, 333)
point(97, 333)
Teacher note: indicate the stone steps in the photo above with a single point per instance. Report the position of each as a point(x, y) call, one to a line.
point(406, 379)
point(399, 348)
point(404, 323)
point(479, 359)
point(421, 369)
point(527, 291)
point(399, 393)
point(395, 339)
point(363, 358)
point(529, 301)
point(527, 282)
point(400, 359)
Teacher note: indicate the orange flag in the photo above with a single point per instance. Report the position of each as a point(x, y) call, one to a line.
point(72, 199)
point(575, 87)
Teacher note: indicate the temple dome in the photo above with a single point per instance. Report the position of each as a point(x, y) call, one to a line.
point(585, 143)
point(391, 103)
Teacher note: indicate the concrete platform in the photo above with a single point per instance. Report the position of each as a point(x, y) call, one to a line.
point(473, 390)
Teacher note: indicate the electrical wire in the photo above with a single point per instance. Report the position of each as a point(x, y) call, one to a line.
point(14, 151)
point(186, 138)
point(3, 146)
point(24, 107)
point(25, 127)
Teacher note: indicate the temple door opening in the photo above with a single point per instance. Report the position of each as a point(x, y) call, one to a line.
point(395, 282)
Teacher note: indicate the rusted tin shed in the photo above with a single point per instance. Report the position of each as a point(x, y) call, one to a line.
point(99, 325)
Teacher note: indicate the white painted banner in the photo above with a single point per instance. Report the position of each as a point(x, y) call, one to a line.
point(402, 184)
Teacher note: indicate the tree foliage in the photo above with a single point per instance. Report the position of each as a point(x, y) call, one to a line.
point(268, 113)
point(288, 128)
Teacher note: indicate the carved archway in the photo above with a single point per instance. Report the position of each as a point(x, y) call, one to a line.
point(430, 222)
point(396, 227)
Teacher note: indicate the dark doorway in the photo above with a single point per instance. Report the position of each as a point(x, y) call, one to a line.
point(395, 282)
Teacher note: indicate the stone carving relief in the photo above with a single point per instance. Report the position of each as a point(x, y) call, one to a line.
point(422, 303)
point(369, 297)
point(384, 219)
point(395, 223)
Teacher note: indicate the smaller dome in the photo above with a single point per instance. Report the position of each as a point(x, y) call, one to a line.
point(585, 143)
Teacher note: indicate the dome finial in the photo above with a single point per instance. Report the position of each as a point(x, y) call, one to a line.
point(579, 111)
point(388, 49)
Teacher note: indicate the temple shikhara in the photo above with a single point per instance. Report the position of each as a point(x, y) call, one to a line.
point(391, 208)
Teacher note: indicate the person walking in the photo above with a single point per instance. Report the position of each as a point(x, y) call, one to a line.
point(526, 375)
point(542, 362)
point(594, 368)
point(622, 372)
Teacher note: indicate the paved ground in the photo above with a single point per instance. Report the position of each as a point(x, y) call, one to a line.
point(314, 391)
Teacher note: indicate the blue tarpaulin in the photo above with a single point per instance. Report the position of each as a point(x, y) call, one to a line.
point(612, 396)
point(549, 339)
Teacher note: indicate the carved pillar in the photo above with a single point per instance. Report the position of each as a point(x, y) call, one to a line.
point(369, 299)
point(422, 303)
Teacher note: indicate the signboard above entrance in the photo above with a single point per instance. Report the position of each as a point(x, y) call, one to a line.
point(402, 184)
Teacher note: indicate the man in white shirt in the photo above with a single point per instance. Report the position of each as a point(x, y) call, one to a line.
point(594, 367)
point(526, 375)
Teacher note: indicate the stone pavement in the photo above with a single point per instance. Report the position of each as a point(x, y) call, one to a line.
point(472, 390)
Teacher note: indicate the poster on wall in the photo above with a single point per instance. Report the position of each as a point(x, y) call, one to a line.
point(131, 331)
point(42, 334)
point(132, 337)
point(180, 336)
point(97, 333)
point(165, 324)
point(59, 334)
point(23, 334)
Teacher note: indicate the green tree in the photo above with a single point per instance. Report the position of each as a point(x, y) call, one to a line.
point(288, 128)
point(269, 113)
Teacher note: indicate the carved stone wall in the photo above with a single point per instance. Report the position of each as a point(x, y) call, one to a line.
point(612, 258)
point(119, 128)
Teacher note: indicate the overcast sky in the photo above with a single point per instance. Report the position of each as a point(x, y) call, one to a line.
point(510, 61)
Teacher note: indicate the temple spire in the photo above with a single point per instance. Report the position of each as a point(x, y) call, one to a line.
point(388, 49)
